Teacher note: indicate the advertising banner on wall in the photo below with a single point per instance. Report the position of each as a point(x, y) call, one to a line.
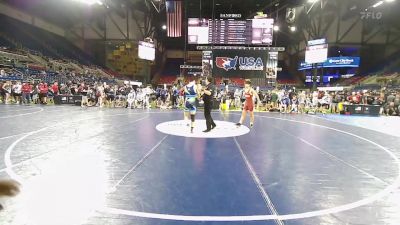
point(239, 63)
point(334, 62)
point(342, 62)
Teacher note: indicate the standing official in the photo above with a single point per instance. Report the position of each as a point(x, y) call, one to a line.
point(208, 94)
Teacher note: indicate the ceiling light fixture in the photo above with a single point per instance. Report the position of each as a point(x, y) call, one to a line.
point(89, 2)
point(378, 4)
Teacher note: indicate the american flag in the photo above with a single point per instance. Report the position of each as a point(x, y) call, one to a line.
point(174, 18)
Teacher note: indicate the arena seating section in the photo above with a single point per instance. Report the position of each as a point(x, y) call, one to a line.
point(374, 81)
point(125, 59)
point(37, 54)
point(38, 40)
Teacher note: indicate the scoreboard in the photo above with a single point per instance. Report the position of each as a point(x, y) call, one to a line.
point(230, 32)
point(316, 51)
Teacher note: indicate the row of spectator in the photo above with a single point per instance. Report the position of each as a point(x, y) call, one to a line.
point(281, 100)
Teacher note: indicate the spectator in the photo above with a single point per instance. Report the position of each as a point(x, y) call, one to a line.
point(43, 91)
point(302, 102)
point(175, 96)
point(274, 98)
point(83, 90)
point(396, 103)
point(131, 99)
point(55, 89)
point(7, 90)
point(64, 90)
point(17, 92)
point(2, 92)
point(26, 93)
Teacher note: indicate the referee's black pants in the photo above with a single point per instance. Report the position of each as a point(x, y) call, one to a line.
point(207, 114)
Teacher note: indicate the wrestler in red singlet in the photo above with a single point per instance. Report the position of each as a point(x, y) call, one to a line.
point(249, 92)
point(249, 103)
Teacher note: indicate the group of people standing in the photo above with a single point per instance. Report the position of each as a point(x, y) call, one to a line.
point(26, 92)
point(206, 90)
point(194, 91)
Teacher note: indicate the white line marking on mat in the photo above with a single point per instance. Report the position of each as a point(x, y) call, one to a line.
point(23, 114)
point(370, 199)
point(114, 188)
point(18, 110)
point(333, 156)
point(11, 136)
point(7, 155)
point(257, 181)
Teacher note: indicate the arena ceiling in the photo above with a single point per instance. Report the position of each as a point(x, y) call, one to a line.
point(67, 13)
point(248, 8)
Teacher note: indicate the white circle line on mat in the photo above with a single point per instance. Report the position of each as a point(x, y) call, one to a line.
point(381, 194)
point(181, 128)
point(22, 114)
point(17, 110)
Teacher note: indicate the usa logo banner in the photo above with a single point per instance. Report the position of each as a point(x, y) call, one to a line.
point(239, 63)
point(226, 63)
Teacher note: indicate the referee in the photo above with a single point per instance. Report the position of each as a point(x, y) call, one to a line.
point(208, 94)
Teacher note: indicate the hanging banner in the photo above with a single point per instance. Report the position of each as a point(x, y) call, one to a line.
point(207, 63)
point(272, 65)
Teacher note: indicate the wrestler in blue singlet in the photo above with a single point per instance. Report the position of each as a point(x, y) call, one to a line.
point(190, 103)
point(190, 99)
